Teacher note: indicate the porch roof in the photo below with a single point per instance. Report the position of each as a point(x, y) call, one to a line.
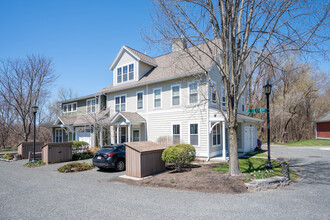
point(129, 117)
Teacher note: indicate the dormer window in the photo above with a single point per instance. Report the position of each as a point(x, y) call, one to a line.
point(125, 73)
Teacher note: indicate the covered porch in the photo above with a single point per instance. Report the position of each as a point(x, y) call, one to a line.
point(127, 127)
point(219, 137)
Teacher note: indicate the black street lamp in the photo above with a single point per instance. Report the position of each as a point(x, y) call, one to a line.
point(268, 91)
point(34, 110)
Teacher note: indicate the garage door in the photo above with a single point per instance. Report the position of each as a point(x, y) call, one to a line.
point(83, 134)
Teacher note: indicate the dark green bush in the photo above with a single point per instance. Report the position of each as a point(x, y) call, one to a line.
point(82, 156)
point(77, 144)
point(179, 155)
point(75, 167)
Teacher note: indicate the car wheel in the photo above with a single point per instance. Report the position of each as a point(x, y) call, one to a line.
point(120, 166)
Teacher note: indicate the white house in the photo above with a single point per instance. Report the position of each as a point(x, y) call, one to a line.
point(161, 99)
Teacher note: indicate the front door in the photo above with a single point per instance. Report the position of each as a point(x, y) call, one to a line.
point(136, 135)
point(123, 135)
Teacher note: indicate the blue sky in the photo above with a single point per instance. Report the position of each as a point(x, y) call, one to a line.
point(82, 36)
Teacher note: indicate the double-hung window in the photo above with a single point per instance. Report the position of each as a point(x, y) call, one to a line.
point(223, 97)
point(58, 135)
point(139, 99)
point(175, 95)
point(216, 135)
point(120, 103)
point(193, 93)
point(214, 96)
point(131, 71)
point(119, 74)
point(176, 134)
point(194, 134)
point(91, 106)
point(158, 98)
point(125, 73)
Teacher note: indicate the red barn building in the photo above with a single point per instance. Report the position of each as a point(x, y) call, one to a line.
point(322, 126)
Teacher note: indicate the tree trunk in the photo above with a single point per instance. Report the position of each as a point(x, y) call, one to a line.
point(233, 154)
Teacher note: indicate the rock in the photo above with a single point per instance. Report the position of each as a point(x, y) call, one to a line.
point(268, 183)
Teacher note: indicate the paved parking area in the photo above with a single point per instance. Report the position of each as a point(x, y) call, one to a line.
point(44, 193)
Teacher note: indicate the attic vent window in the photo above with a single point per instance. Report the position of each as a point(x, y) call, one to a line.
point(125, 73)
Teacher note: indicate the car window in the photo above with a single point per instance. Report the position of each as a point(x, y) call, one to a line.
point(121, 148)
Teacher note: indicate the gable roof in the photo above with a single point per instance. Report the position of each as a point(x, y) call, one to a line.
point(129, 117)
point(169, 66)
point(136, 54)
point(324, 118)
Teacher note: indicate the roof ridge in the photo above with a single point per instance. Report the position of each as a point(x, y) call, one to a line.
point(138, 51)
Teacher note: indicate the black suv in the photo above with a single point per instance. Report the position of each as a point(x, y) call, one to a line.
point(110, 157)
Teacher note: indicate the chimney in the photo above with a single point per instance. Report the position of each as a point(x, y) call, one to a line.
point(179, 44)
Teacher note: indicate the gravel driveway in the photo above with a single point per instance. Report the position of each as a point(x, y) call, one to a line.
point(44, 193)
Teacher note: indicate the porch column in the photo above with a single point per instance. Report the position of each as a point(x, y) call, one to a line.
point(145, 132)
point(129, 132)
point(117, 134)
point(101, 137)
point(224, 140)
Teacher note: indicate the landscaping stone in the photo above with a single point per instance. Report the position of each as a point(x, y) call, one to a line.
point(268, 183)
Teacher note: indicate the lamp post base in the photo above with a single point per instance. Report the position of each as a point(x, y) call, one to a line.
point(269, 166)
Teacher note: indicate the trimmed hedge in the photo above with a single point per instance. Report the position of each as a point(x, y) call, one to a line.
point(77, 144)
point(82, 156)
point(180, 155)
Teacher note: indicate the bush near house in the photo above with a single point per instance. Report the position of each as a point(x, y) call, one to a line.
point(75, 167)
point(77, 144)
point(180, 155)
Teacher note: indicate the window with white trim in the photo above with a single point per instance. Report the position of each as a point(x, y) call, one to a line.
point(139, 100)
point(193, 93)
point(91, 105)
point(70, 107)
point(175, 95)
point(120, 103)
point(158, 98)
point(223, 97)
point(176, 133)
point(58, 135)
point(194, 134)
point(216, 135)
point(131, 72)
point(125, 73)
point(214, 96)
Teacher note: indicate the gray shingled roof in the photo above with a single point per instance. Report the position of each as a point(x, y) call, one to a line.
point(142, 56)
point(324, 118)
point(169, 66)
point(85, 119)
point(130, 116)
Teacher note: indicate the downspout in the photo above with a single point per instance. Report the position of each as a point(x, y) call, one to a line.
point(208, 122)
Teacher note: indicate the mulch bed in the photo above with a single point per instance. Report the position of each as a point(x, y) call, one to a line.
point(199, 178)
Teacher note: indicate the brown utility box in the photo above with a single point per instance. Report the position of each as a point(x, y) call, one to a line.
point(57, 152)
point(144, 158)
point(24, 148)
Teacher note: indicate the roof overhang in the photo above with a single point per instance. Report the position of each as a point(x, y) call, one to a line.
point(118, 116)
point(121, 52)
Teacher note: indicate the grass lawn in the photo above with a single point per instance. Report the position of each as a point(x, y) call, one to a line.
point(5, 151)
point(311, 142)
point(257, 154)
point(249, 165)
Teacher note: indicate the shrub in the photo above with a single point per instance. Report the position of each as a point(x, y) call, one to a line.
point(93, 149)
point(77, 144)
point(82, 156)
point(75, 167)
point(180, 155)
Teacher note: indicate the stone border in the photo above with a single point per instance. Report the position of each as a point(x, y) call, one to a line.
point(267, 183)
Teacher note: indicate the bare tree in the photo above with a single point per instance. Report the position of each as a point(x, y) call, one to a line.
point(24, 83)
point(235, 31)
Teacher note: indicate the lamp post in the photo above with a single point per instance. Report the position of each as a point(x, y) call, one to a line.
point(34, 110)
point(268, 91)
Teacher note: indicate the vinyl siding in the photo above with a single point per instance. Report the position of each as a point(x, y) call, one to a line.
point(125, 59)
